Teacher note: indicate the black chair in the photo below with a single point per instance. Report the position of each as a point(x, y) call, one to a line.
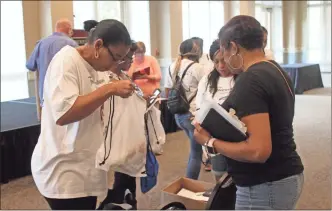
point(173, 206)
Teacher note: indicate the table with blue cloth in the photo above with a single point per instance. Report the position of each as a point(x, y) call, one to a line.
point(20, 130)
point(304, 76)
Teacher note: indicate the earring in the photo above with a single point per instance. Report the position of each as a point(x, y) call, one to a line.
point(96, 55)
point(229, 63)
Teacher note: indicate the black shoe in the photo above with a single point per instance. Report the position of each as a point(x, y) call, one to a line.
point(130, 199)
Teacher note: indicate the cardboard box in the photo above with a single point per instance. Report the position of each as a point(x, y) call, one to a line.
point(169, 193)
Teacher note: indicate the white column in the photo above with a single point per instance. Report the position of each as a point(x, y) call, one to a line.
point(294, 25)
point(247, 8)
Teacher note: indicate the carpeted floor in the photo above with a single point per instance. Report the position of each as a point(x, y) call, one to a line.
point(312, 127)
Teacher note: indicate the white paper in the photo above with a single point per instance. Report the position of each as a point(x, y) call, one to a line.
point(192, 195)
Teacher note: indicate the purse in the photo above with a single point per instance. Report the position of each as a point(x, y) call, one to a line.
point(223, 195)
point(151, 166)
point(288, 86)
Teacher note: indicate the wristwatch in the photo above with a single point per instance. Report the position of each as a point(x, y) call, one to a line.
point(209, 147)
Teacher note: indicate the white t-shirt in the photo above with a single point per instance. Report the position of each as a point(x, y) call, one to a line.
point(224, 86)
point(207, 63)
point(63, 161)
point(190, 80)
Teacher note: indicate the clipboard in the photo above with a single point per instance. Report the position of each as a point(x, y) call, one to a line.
point(220, 123)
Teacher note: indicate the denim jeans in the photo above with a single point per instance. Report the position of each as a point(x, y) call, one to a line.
point(196, 152)
point(219, 166)
point(282, 194)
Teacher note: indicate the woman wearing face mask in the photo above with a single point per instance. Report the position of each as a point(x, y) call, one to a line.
point(189, 55)
point(216, 85)
point(63, 162)
point(266, 168)
point(147, 82)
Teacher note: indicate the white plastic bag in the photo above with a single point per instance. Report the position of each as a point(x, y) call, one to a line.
point(125, 147)
point(157, 133)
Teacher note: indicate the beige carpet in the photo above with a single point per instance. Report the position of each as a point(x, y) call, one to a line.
point(312, 126)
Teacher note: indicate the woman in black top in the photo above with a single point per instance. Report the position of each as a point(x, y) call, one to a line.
point(266, 168)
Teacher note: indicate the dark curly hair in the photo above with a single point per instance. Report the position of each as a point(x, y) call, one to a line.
point(213, 77)
point(111, 31)
point(244, 30)
point(89, 24)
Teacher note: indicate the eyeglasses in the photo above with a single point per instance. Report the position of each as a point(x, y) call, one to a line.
point(123, 59)
point(114, 59)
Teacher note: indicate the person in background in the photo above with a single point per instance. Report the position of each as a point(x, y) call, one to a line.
point(216, 85)
point(207, 63)
point(266, 168)
point(147, 82)
point(189, 55)
point(44, 52)
point(63, 161)
point(268, 53)
point(204, 58)
point(89, 24)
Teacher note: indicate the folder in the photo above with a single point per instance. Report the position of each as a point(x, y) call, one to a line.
point(138, 73)
point(220, 123)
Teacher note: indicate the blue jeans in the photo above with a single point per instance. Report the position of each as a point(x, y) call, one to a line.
point(195, 157)
point(282, 194)
point(219, 166)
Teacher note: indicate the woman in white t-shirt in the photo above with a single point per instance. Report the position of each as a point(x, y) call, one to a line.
point(63, 161)
point(216, 85)
point(189, 53)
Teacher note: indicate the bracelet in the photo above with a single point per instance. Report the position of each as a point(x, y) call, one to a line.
point(207, 142)
point(209, 147)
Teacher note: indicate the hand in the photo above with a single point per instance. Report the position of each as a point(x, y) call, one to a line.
point(201, 135)
point(123, 88)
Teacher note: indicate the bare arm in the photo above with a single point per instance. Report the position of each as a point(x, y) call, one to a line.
point(87, 104)
point(37, 95)
point(166, 92)
point(256, 149)
point(156, 76)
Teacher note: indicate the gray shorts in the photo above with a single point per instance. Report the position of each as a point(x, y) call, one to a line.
point(219, 163)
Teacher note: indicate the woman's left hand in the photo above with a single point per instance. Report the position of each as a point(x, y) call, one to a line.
point(201, 135)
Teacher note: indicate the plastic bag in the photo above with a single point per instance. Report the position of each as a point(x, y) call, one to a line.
point(124, 149)
point(157, 133)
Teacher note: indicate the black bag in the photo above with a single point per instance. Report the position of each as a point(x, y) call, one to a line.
point(177, 102)
point(223, 195)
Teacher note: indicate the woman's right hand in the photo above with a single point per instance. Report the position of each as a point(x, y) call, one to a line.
point(122, 88)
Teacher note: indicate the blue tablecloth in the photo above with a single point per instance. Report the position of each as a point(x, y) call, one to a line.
point(304, 76)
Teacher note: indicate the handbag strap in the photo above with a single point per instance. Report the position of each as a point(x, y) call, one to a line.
point(184, 72)
point(154, 129)
point(289, 88)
